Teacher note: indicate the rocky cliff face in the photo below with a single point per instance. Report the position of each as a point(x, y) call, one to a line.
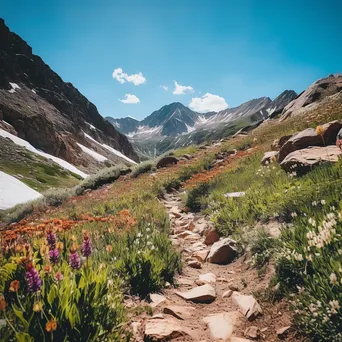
point(318, 91)
point(49, 113)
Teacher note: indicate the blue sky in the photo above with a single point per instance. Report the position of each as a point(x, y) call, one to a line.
point(237, 50)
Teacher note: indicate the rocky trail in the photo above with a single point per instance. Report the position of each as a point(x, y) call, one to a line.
point(214, 299)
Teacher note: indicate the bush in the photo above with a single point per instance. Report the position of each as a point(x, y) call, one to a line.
point(262, 248)
point(195, 195)
point(142, 168)
point(148, 262)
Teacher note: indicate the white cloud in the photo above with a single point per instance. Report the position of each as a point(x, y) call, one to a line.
point(130, 99)
point(181, 90)
point(208, 103)
point(122, 77)
point(166, 88)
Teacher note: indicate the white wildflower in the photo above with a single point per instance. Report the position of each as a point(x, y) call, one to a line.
point(333, 278)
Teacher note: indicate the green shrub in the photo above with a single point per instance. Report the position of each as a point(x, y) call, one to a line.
point(262, 248)
point(142, 168)
point(195, 195)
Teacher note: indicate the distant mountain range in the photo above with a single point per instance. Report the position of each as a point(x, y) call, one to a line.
point(176, 125)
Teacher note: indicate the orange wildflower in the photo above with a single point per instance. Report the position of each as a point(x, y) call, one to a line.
point(320, 130)
point(47, 269)
point(2, 303)
point(109, 248)
point(14, 286)
point(51, 326)
point(60, 246)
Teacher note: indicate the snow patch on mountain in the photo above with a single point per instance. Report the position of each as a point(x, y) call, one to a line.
point(13, 192)
point(28, 146)
point(110, 149)
point(97, 156)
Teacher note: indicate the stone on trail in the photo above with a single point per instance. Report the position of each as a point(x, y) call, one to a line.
point(212, 237)
point(223, 252)
point(247, 305)
point(200, 294)
point(221, 325)
point(185, 281)
point(175, 213)
point(201, 255)
point(207, 278)
point(165, 329)
point(238, 339)
point(195, 264)
point(283, 331)
point(252, 332)
point(227, 294)
point(156, 299)
point(192, 237)
point(184, 234)
point(180, 312)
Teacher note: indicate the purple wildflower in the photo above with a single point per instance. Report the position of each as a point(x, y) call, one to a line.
point(33, 280)
point(87, 247)
point(54, 256)
point(74, 259)
point(51, 239)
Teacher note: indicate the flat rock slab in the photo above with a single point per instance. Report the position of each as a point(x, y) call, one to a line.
point(221, 325)
point(180, 312)
point(200, 294)
point(234, 194)
point(186, 233)
point(247, 305)
point(207, 278)
point(223, 252)
point(164, 329)
point(156, 299)
point(304, 160)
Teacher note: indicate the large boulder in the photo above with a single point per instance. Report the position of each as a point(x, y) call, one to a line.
point(303, 161)
point(166, 161)
point(309, 137)
point(223, 252)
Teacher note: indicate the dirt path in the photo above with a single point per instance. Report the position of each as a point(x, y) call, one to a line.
point(215, 312)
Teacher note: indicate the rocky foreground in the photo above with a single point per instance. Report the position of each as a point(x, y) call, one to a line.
point(215, 298)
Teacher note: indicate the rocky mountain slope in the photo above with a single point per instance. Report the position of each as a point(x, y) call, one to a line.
point(318, 91)
point(52, 115)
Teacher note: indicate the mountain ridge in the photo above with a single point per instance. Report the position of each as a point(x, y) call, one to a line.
point(49, 113)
